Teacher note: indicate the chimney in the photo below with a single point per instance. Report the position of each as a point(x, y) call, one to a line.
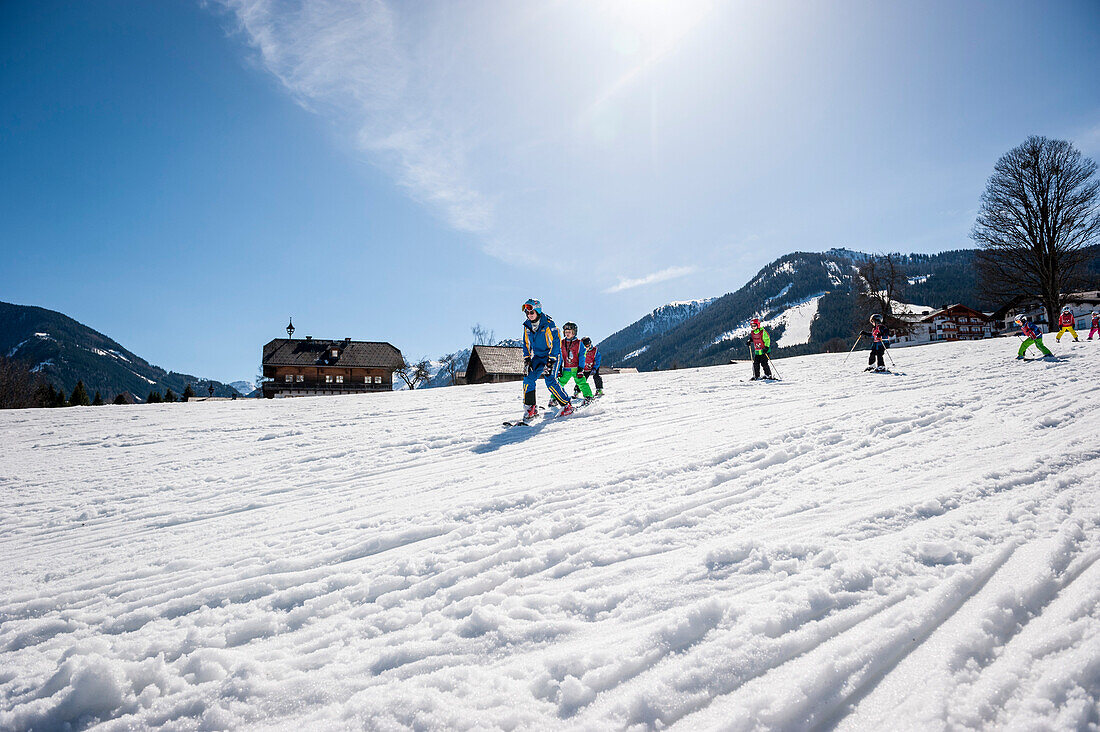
point(309, 338)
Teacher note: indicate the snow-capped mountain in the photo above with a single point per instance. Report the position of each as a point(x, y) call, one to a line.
point(805, 299)
point(856, 552)
point(64, 351)
point(634, 338)
point(244, 387)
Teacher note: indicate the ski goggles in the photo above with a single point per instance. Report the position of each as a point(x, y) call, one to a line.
point(529, 308)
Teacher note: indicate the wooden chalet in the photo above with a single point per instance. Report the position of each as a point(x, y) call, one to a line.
point(309, 367)
point(952, 323)
point(494, 365)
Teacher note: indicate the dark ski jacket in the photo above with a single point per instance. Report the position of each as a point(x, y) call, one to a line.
point(541, 341)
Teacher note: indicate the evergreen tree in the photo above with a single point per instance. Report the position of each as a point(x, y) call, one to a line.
point(98, 401)
point(154, 398)
point(188, 392)
point(120, 399)
point(45, 395)
point(79, 397)
point(59, 399)
point(169, 395)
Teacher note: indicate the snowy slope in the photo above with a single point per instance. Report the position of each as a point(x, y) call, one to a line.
point(837, 549)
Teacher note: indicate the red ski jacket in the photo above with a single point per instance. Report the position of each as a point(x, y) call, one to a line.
point(570, 353)
point(1066, 320)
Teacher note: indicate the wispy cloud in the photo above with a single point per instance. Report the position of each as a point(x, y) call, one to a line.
point(348, 58)
point(665, 274)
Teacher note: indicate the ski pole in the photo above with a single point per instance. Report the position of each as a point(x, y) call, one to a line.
point(887, 352)
point(853, 348)
point(772, 364)
point(751, 361)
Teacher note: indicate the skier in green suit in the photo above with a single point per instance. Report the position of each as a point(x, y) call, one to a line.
point(571, 363)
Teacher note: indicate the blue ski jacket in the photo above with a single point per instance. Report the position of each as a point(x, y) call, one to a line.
point(540, 339)
point(1031, 330)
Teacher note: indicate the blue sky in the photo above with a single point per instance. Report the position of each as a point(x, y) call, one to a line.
point(183, 176)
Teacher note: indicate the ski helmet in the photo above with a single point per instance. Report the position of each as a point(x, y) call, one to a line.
point(570, 326)
point(1065, 309)
point(586, 341)
point(532, 305)
point(876, 319)
point(1021, 319)
point(755, 322)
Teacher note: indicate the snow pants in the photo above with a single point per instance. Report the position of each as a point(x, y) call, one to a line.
point(1092, 330)
point(1038, 342)
point(758, 360)
point(1072, 332)
point(877, 349)
point(573, 374)
point(551, 379)
point(597, 380)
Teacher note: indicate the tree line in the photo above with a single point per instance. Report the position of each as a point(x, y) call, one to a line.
point(21, 388)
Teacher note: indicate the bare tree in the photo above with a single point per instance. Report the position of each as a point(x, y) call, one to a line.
point(884, 281)
point(449, 366)
point(482, 336)
point(415, 374)
point(1039, 212)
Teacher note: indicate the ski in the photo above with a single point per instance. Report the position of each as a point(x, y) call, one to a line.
point(517, 424)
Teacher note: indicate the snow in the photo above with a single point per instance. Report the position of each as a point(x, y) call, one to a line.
point(797, 317)
point(861, 551)
point(639, 352)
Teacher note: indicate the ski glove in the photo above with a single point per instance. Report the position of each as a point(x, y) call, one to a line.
point(550, 364)
point(586, 373)
point(526, 366)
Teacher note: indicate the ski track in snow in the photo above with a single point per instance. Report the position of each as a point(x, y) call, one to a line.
point(836, 550)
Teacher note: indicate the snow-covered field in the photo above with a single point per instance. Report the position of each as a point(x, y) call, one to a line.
point(839, 549)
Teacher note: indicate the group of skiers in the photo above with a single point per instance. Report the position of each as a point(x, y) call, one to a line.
point(557, 360)
point(1033, 334)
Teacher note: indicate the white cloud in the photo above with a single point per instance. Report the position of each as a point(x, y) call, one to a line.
point(649, 279)
point(348, 58)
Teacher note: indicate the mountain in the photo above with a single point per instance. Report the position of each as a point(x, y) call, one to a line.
point(837, 551)
point(805, 299)
point(632, 340)
point(64, 351)
point(243, 387)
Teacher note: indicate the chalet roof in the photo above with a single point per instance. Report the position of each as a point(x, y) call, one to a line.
point(936, 313)
point(506, 360)
point(317, 352)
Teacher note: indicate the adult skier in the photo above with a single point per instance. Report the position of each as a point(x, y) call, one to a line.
point(1066, 321)
point(1032, 335)
point(592, 364)
point(879, 336)
point(761, 344)
point(1095, 324)
point(541, 350)
point(571, 364)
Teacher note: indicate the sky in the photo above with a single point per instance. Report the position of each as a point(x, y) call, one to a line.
point(186, 176)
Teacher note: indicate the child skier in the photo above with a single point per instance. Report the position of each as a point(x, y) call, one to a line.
point(1095, 324)
point(1066, 321)
point(761, 344)
point(1032, 335)
point(541, 350)
point(592, 364)
point(879, 335)
point(571, 364)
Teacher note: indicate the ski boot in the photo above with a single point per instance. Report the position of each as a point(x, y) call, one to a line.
point(599, 392)
point(566, 411)
point(531, 413)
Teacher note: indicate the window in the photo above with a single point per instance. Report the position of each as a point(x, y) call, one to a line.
point(289, 378)
point(335, 353)
point(339, 379)
point(328, 378)
point(378, 379)
point(366, 379)
point(300, 378)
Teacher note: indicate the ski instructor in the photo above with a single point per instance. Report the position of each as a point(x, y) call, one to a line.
point(541, 352)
